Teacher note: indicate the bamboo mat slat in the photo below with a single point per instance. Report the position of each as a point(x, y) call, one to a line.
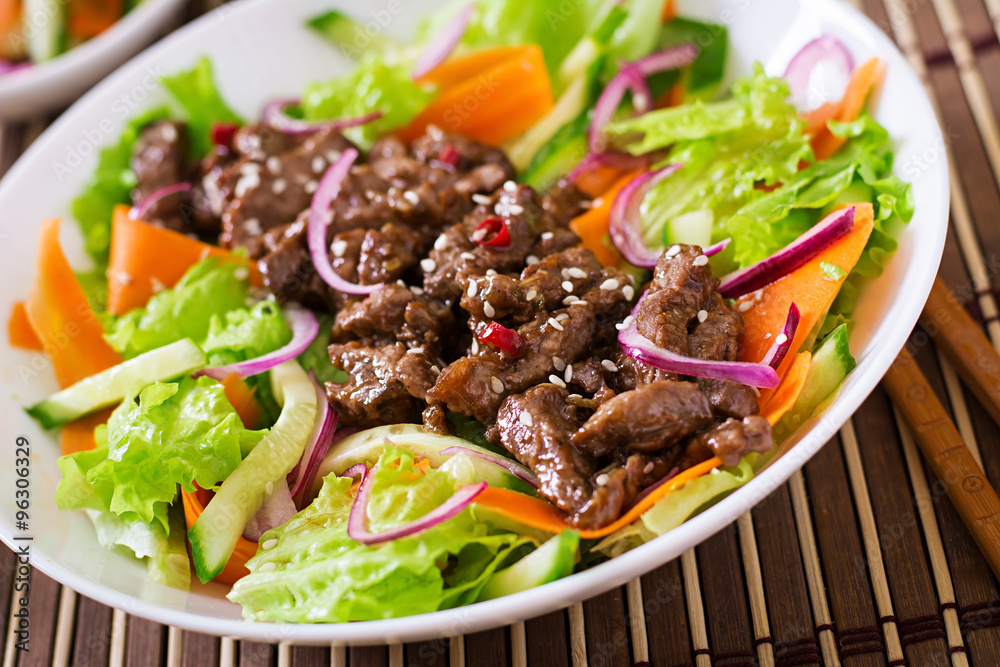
point(860, 560)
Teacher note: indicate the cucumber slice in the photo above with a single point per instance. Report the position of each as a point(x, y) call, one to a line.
point(348, 35)
point(213, 536)
point(830, 365)
point(366, 447)
point(114, 384)
point(46, 28)
point(569, 105)
point(692, 228)
point(553, 560)
point(559, 156)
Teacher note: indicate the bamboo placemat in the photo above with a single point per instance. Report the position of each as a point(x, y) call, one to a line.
point(859, 560)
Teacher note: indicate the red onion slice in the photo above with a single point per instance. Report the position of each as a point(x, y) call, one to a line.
point(513, 467)
point(7, 67)
point(357, 522)
point(142, 208)
point(624, 221)
point(319, 211)
point(783, 341)
point(800, 69)
point(276, 510)
point(445, 43)
point(305, 328)
point(717, 248)
point(642, 349)
point(275, 116)
point(632, 77)
point(789, 258)
point(316, 448)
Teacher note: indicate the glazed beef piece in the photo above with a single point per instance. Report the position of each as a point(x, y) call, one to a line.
point(159, 159)
point(395, 314)
point(730, 441)
point(718, 338)
point(682, 284)
point(259, 141)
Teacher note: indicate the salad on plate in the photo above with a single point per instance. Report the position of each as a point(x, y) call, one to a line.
point(497, 305)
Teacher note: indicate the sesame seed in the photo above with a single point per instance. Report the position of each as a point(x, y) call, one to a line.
point(168, 132)
point(339, 247)
point(597, 203)
point(629, 292)
point(758, 296)
point(417, 290)
point(530, 296)
point(601, 479)
point(567, 285)
point(441, 242)
point(496, 385)
point(479, 235)
point(411, 197)
point(702, 315)
point(159, 286)
point(562, 316)
point(311, 187)
point(609, 284)
point(480, 199)
point(557, 381)
point(248, 182)
point(745, 306)
point(579, 302)
point(428, 265)
point(672, 251)
point(274, 165)
point(473, 288)
point(648, 469)
point(252, 226)
point(332, 156)
point(415, 350)
point(241, 273)
point(625, 324)
point(510, 186)
point(532, 259)
point(269, 544)
point(547, 235)
point(574, 397)
point(468, 255)
point(568, 375)
point(279, 186)
point(488, 310)
point(267, 567)
point(269, 488)
point(435, 370)
point(475, 346)
point(570, 300)
point(318, 165)
point(715, 471)
point(558, 363)
point(700, 260)
point(491, 272)
point(526, 419)
point(610, 365)
point(781, 339)
point(515, 209)
point(575, 272)
point(556, 325)
point(565, 274)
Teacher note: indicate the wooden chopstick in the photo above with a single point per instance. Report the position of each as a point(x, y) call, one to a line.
point(965, 345)
point(964, 481)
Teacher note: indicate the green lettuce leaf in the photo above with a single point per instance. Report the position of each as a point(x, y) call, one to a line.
point(173, 433)
point(316, 573)
point(198, 96)
point(316, 358)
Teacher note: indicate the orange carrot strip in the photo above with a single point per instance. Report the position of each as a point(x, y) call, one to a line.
point(668, 12)
point(817, 119)
point(541, 515)
point(459, 70)
point(809, 288)
point(78, 436)
point(19, 331)
point(88, 18)
point(592, 226)
point(236, 567)
point(863, 80)
point(596, 181)
point(241, 397)
point(783, 397)
point(10, 13)
point(145, 258)
point(62, 318)
point(496, 105)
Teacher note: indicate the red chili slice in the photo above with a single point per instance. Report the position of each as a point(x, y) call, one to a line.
point(223, 133)
point(449, 156)
point(492, 233)
point(503, 338)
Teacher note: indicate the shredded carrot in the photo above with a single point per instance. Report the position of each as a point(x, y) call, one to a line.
point(88, 18)
point(597, 180)
point(10, 16)
point(672, 97)
point(817, 119)
point(145, 258)
point(865, 78)
point(19, 331)
point(810, 288)
point(241, 397)
point(592, 226)
point(783, 397)
point(492, 105)
point(62, 317)
point(669, 11)
point(236, 567)
point(541, 515)
point(459, 70)
point(78, 436)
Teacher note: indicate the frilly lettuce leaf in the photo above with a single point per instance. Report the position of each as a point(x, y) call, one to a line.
point(198, 96)
point(316, 573)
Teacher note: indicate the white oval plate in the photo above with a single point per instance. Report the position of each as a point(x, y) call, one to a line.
point(62, 80)
point(261, 52)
